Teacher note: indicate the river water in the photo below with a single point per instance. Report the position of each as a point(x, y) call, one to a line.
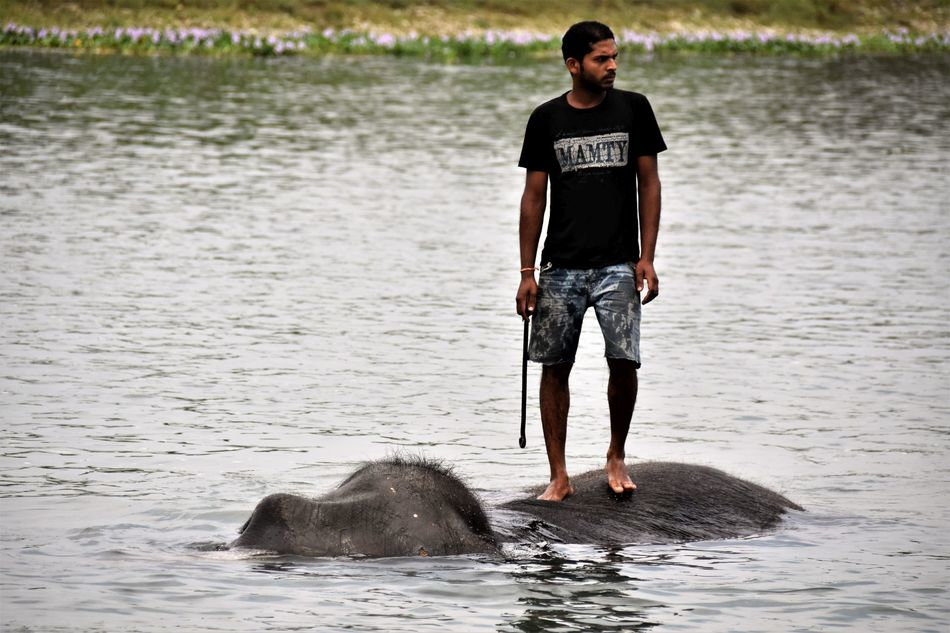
point(225, 278)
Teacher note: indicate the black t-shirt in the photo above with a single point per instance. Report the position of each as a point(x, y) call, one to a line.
point(590, 156)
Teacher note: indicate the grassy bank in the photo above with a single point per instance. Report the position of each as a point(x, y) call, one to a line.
point(490, 45)
point(451, 17)
point(464, 30)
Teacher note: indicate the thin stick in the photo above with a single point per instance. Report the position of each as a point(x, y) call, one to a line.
point(524, 385)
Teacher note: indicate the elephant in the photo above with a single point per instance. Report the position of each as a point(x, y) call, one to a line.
point(673, 503)
point(395, 507)
point(418, 507)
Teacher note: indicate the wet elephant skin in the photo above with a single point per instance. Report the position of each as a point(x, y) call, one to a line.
point(673, 503)
point(417, 507)
point(395, 507)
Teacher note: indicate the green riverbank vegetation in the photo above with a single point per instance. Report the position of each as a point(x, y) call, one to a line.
point(449, 17)
point(470, 30)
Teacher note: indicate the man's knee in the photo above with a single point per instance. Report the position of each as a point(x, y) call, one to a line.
point(622, 367)
point(557, 373)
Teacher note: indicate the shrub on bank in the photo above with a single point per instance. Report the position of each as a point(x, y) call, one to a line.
point(490, 45)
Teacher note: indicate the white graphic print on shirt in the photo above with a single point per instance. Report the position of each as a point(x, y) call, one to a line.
point(585, 152)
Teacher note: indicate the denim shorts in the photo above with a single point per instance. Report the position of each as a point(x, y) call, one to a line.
point(564, 294)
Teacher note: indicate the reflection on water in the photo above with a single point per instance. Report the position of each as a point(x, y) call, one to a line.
point(223, 278)
point(562, 594)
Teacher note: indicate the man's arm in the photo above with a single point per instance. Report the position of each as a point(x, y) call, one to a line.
point(648, 192)
point(533, 201)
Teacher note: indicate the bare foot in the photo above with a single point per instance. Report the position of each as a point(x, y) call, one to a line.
point(617, 477)
point(557, 490)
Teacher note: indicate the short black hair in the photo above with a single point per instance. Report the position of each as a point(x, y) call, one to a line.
point(581, 37)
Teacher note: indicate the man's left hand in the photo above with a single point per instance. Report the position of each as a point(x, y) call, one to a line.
point(646, 273)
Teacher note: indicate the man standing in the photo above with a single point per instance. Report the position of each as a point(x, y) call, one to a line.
point(598, 146)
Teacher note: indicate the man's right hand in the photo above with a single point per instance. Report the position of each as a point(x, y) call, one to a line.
point(527, 295)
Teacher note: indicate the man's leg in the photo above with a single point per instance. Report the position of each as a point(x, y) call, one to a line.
point(617, 304)
point(555, 402)
point(555, 330)
point(622, 397)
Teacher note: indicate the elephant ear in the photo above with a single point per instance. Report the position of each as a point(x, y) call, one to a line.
point(438, 479)
point(463, 499)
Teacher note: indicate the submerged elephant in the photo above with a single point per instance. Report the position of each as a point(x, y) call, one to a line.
point(396, 507)
point(413, 507)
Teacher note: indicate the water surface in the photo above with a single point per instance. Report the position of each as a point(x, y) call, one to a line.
point(224, 278)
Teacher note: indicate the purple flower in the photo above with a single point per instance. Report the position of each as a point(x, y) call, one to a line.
point(385, 39)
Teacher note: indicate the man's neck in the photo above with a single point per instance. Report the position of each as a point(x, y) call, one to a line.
point(580, 97)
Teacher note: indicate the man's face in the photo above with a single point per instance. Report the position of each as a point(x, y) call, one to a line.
point(598, 69)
